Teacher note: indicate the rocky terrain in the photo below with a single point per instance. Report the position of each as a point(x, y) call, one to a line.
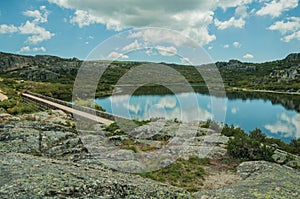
point(46, 67)
point(259, 180)
point(39, 67)
point(43, 156)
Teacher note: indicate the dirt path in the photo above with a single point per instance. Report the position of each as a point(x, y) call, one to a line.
point(219, 175)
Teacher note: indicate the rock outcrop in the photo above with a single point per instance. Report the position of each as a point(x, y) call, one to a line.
point(42, 156)
point(39, 67)
point(26, 176)
point(293, 57)
point(260, 179)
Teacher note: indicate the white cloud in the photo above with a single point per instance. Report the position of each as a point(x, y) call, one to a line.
point(210, 48)
point(32, 28)
point(276, 7)
point(36, 49)
point(133, 46)
point(233, 3)
point(38, 33)
point(191, 18)
point(39, 17)
point(241, 11)
point(5, 29)
point(295, 35)
point(236, 44)
point(248, 56)
point(185, 60)
point(152, 36)
point(232, 22)
point(63, 3)
point(166, 50)
point(226, 46)
point(116, 55)
point(84, 18)
point(291, 25)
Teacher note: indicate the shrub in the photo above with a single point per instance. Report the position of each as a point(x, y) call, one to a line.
point(188, 174)
point(250, 147)
point(22, 108)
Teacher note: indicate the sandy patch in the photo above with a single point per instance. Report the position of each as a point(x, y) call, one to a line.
point(2, 96)
point(219, 175)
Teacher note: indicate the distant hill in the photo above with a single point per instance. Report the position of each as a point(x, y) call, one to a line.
point(39, 67)
point(283, 75)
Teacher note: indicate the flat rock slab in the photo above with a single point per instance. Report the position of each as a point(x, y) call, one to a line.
point(26, 176)
point(261, 180)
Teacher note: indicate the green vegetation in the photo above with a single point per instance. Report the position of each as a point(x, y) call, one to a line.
point(89, 103)
point(114, 130)
point(188, 174)
point(255, 145)
point(141, 122)
point(14, 105)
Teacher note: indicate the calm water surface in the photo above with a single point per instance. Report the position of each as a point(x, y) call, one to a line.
point(273, 118)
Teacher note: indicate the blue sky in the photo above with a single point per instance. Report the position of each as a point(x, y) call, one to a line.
point(254, 31)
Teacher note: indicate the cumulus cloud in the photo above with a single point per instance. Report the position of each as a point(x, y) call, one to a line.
point(291, 24)
point(8, 29)
point(236, 44)
point(133, 46)
point(276, 7)
point(192, 18)
point(295, 35)
point(289, 28)
point(152, 36)
point(32, 28)
point(38, 33)
point(185, 60)
point(166, 50)
point(232, 22)
point(116, 55)
point(226, 46)
point(241, 11)
point(27, 49)
point(248, 56)
point(83, 18)
point(40, 16)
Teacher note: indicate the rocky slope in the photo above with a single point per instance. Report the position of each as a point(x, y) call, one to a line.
point(37, 160)
point(42, 156)
point(46, 67)
point(259, 180)
point(39, 67)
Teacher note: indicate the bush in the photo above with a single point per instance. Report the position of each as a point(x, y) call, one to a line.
point(22, 108)
point(231, 131)
point(295, 146)
point(249, 147)
point(188, 174)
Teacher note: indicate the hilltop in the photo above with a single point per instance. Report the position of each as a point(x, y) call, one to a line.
point(280, 75)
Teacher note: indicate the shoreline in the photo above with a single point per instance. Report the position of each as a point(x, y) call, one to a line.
point(263, 91)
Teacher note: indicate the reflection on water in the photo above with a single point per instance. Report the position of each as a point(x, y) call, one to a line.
point(275, 115)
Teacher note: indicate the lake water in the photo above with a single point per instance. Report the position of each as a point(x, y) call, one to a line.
point(276, 115)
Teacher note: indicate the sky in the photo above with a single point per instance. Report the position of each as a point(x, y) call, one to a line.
point(152, 30)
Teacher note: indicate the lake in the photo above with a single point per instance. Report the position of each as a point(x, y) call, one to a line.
point(276, 115)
